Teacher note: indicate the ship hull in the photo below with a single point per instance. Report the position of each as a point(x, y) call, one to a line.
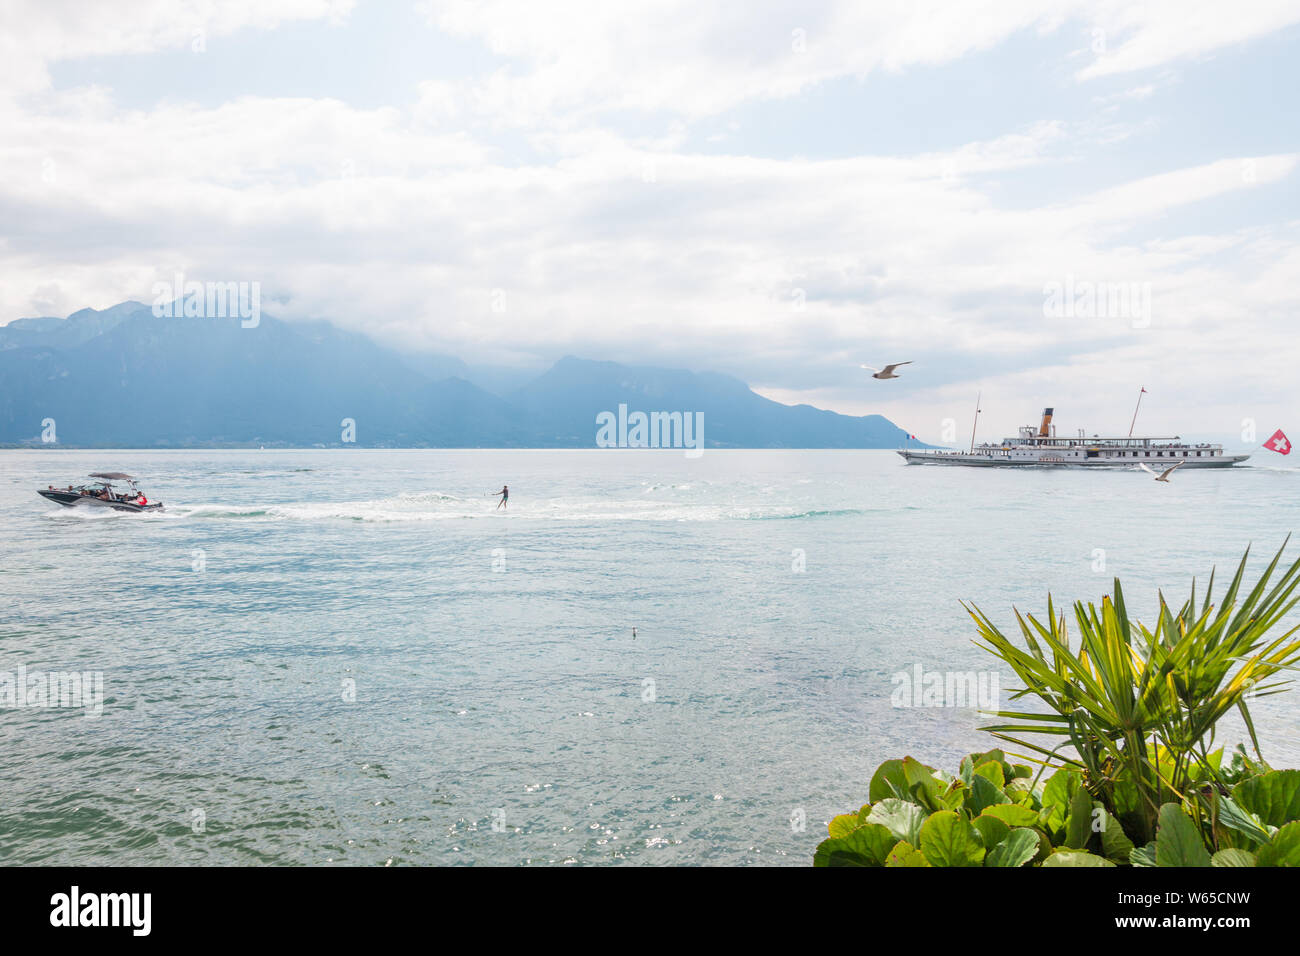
point(986, 461)
point(73, 500)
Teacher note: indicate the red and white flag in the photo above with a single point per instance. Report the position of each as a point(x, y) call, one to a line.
point(1279, 443)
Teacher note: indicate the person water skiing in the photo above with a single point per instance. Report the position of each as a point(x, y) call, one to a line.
point(505, 497)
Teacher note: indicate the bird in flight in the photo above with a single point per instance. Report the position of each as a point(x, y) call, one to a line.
point(1164, 475)
point(887, 371)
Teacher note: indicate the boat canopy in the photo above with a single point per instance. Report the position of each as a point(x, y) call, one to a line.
point(112, 475)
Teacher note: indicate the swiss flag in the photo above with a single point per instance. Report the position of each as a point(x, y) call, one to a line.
point(1279, 443)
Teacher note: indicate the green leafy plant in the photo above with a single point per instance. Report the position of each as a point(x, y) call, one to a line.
point(997, 814)
point(1138, 705)
point(1137, 783)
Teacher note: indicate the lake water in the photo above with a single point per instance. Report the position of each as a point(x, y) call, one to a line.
point(349, 656)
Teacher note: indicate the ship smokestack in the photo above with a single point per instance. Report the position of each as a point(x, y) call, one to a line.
point(1044, 429)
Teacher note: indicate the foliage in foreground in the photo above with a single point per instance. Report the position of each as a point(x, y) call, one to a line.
point(994, 813)
point(1137, 706)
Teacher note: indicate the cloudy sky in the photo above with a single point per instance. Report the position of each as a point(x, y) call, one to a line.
point(781, 191)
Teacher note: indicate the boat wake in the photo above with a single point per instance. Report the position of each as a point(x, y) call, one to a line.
point(82, 513)
point(436, 506)
point(1276, 469)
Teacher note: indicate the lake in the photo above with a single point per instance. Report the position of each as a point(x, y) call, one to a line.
point(350, 657)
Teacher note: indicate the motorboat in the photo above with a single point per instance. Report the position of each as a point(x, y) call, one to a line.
point(111, 489)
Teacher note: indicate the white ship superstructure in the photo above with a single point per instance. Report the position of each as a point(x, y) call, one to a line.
point(1042, 446)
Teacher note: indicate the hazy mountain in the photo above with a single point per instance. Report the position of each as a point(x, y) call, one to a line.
point(148, 381)
point(563, 404)
point(500, 380)
point(122, 377)
point(77, 328)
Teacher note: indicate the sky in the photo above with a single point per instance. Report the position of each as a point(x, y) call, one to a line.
point(1046, 203)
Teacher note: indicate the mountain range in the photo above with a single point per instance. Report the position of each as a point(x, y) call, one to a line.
point(125, 378)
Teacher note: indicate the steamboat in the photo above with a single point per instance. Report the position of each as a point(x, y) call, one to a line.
point(1042, 447)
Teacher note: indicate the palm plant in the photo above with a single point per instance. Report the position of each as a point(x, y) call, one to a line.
point(1138, 705)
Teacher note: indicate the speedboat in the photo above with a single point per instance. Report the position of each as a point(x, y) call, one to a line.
point(106, 492)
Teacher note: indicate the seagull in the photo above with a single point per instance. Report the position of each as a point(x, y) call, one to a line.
point(886, 372)
point(1164, 475)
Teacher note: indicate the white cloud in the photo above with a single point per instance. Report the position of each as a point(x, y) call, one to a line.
point(698, 59)
point(35, 33)
point(1150, 34)
point(402, 221)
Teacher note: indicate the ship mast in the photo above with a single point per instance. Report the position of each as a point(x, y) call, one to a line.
point(975, 423)
point(1135, 412)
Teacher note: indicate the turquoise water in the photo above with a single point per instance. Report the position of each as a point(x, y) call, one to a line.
point(497, 681)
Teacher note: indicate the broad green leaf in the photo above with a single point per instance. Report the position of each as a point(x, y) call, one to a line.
point(1233, 858)
point(1076, 858)
point(1061, 787)
point(1023, 797)
point(1126, 798)
point(1143, 855)
point(983, 794)
point(867, 845)
point(900, 818)
point(888, 781)
point(954, 797)
point(1283, 849)
point(944, 777)
point(1016, 849)
point(949, 840)
point(992, 771)
point(904, 854)
point(1020, 790)
point(923, 786)
point(834, 852)
point(1178, 840)
point(843, 825)
point(846, 858)
point(1013, 815)
point(1115, 844)
point(1273, 797)
point(994, 754)
point(992, 831)
point(1078, 825)
point(872, 840)
point(1232, 816)
point(1044, 846)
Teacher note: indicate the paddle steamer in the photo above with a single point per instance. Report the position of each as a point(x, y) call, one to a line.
point(1041, 446)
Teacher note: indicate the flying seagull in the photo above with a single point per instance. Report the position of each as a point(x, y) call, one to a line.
point(1164, 475)
point(887, 371)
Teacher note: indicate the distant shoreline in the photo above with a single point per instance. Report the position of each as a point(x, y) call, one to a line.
point(359, 447)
